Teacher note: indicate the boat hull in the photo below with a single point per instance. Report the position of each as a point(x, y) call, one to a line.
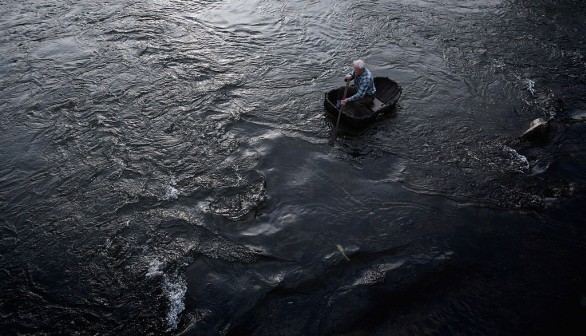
point(354, 115)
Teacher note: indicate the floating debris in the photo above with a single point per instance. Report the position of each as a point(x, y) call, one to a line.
point(341, 249)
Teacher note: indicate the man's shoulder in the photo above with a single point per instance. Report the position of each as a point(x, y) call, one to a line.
point(368, 73)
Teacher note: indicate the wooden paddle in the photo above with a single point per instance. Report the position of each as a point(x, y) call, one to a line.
point(333, 139)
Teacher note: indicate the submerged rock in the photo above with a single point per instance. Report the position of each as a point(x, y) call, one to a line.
point(538, 130)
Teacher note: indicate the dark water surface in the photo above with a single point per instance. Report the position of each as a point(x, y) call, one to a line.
point(165, 169)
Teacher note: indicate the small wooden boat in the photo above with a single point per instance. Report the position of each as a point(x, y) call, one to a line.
point(353, 115)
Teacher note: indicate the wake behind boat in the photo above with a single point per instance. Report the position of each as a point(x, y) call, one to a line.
point(387, 94)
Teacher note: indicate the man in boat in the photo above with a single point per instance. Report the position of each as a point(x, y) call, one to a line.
point(364, 84)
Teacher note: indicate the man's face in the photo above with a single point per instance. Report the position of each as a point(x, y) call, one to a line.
point(358, 71)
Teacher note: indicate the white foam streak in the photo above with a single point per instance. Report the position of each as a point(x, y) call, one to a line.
point(154, 268)
point(174, 288)
point(531, 86)
point(171, 192)
point(519, 160)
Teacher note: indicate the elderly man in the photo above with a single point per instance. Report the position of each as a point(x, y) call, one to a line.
point(364, 83)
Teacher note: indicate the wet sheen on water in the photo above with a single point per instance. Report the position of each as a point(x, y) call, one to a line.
point(165, 169)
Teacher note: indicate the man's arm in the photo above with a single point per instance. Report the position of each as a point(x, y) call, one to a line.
point(359, 94)
point(349, 76)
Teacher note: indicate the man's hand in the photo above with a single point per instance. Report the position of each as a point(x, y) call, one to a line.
point(347, 78)
point(344, 102)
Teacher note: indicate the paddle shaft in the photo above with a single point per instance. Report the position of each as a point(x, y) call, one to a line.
point(340, 113)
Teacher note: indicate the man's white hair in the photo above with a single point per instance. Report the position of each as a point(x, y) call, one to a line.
point(360, 64)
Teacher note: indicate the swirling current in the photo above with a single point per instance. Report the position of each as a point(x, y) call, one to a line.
point(165, 169)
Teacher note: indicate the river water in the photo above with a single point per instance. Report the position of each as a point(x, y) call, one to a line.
point(165, 169)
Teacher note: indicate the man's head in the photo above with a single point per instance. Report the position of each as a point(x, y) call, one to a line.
point(359, 67)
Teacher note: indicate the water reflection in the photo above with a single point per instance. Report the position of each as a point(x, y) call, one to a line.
point(165, 168)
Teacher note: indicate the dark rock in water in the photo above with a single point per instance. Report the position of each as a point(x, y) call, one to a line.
point(538, 130)
point(170, 128)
